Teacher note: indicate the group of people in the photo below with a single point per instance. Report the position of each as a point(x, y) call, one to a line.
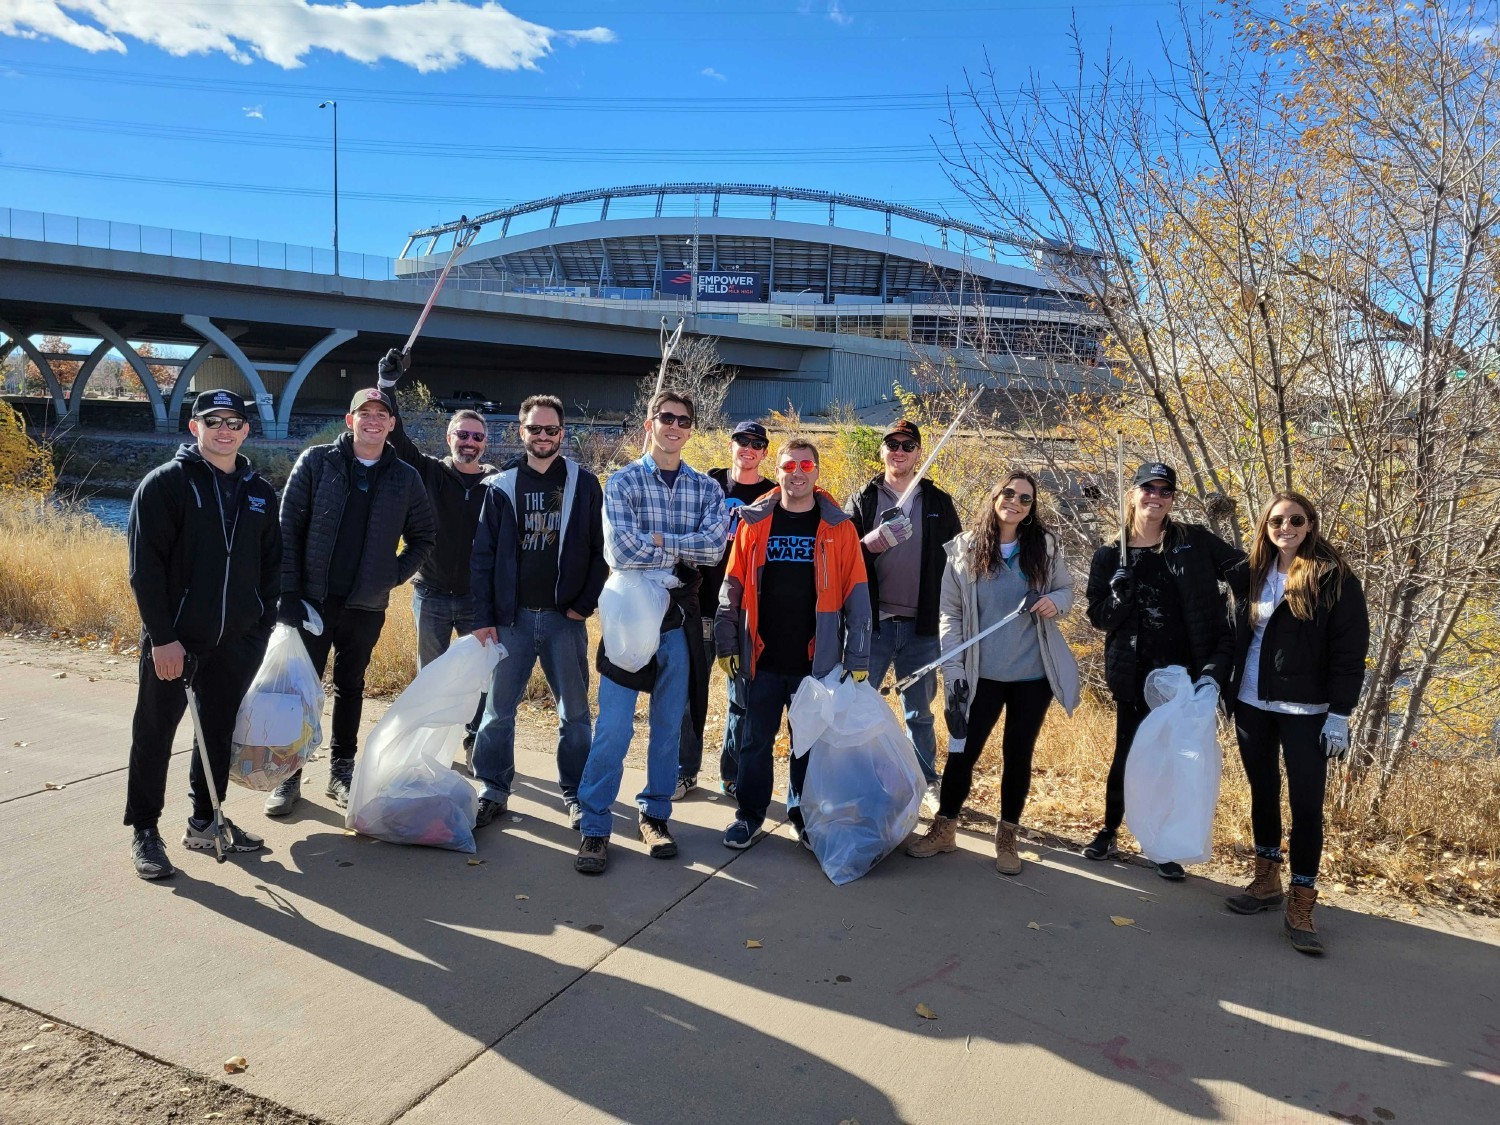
point(775, 581)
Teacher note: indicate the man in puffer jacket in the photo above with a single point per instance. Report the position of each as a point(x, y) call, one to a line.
point(355, 523)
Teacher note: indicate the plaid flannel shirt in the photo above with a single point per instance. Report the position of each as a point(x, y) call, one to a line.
point(690, 517)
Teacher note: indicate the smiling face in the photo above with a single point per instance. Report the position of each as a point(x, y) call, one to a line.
point(670, 437)
point(900, 456)
point(744, 456)
point(535, 439)
point(1015, 509)
point(466, 440)
point(1153, 500)
point(218, 440)
point(371, 424)
point(1287, 538)
point(796, 473)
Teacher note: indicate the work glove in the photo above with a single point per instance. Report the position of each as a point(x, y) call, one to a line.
point(895, 527)
point(1206, 682)
point(858, 677)
point(1122, 585)
point(390, 368)
point(956, 709)
point(730, 666)
point(1335, 736)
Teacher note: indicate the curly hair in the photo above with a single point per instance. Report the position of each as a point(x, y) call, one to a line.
point(1032, 534)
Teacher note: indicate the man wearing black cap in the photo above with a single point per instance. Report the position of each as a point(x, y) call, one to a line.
point(903, 546)
point(742, 484)
point(355, 523)
point(205, 557)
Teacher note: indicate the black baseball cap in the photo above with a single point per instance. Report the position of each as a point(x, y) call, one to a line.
point(754, 429)
point(904, 429)
point(1155, 470)
point(372, 394)
point(209, 401)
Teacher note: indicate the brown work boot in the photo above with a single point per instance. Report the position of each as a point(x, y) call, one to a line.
point(1299, 923)
point(657, 837)
point(942, 836)
point(1264, 891)
point(1007, 862)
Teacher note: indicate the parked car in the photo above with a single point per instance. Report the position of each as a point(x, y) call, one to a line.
point(470, 400)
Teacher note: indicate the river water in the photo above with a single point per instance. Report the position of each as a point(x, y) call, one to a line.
point(111, 511)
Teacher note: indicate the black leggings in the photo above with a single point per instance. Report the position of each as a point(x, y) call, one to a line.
point(1261, 734)
point(1128, 719)
point(1025, 704)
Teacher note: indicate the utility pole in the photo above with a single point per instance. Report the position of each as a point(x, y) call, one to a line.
point(333, 105)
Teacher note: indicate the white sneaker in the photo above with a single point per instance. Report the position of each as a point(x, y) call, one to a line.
point(930, 799)
point(685, 785)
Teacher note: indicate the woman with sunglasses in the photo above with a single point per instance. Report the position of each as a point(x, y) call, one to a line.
point(1299, 667)
point(1163, 606)
point(1009, 561)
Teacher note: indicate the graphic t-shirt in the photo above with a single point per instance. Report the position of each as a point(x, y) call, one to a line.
point(789, 593)
point(736, 496)
point(539, 498)
point(1161, 636)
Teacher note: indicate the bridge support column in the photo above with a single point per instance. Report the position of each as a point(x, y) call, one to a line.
point(300, 373)
point(23, 341)
point(85, 373)
point(95, 324)
point(231, 351)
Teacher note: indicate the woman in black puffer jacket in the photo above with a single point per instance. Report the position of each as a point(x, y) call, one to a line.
point(1299, 667)
point(1165, 607)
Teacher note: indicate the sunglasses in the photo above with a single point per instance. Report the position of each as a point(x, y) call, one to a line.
point(1163, 490)
point(470, 435)
point(790, 465)
point(214, 421)
point(361, 476)
point(667, 418)
point(749, 442)
point(1295, 521)
point(550, 431)
point(1020, 498)
point(894, 444)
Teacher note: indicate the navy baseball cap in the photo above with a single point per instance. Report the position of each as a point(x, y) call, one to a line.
point(372, 394)
point(754, 429)
point(209, 401)
point(1155, 470)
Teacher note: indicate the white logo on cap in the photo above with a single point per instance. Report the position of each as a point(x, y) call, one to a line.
point(223, 399)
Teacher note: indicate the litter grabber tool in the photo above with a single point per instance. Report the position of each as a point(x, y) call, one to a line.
point(943, 657)
point(462, 238)
point(222, 843)
point(900, 506)
point(1120, 491)
point(669, 342)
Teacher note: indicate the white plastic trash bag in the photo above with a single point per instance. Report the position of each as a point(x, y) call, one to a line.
point(280, 720)
point(1172, 773)
point(864, 785)
point(405, 789)
point(631, 607)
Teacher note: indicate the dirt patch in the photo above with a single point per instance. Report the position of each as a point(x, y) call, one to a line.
point(67, 1076)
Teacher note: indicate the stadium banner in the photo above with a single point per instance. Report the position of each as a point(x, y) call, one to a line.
point(714, 285)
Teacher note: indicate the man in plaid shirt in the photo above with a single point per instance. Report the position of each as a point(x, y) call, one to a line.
point(658, 513)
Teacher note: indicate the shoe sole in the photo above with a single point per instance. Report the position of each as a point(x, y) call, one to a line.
point(282, 809)
point(157, 877)
point(1016, 870)
point(738, 846)
point(1310, 950)
point(1171, 876)
point(662, 851)
point(198, 845)
point(1240, 906)
point(1101, 856)
point(929, 855)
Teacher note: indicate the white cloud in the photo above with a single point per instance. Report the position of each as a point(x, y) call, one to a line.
point(255, 112)
point(837, 14)
point(428, 35)
point(710, 72)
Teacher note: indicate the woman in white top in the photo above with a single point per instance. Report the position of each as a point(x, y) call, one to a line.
point(1300, 648)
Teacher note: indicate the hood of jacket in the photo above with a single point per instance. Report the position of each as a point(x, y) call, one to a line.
point(828, 508)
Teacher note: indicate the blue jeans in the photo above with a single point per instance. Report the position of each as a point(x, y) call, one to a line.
point(767, 696)
point(438, 616)
point(562, 646)
point(616, 727)
point(897, 642)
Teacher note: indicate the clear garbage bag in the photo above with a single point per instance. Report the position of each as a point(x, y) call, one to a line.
point(631, 607)
point(405, 790)
point(1173, 771)
point(864, 785)
point(280, 720)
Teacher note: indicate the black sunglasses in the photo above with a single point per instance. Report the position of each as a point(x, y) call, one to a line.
point(361, 476)
point(749, 442)
point(894, 444)
point(214, 421)
point(550, 431)
point(1295, 521)
point(1022, 498)
point(1158, 490)
point(681, 421)
point(470, 435)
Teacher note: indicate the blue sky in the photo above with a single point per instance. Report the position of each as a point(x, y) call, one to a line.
point(162, 111)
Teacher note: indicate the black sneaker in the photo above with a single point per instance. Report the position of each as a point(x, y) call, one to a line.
point(340, 776)
point(1172, 871)
point(488, 811)
point(575, 815)
point(657, 837)
point(739, 836)
point(149, 853)
point(1102, 846)
point(593, 856)
point(285, 796)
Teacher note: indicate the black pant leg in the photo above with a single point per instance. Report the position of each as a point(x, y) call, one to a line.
point(1025, 712)
point(158, 710)
point(220, 684)
point(1128, 718)
point(1258, 733)
point(1306, 784)
point(958, 771)
point(353, 643)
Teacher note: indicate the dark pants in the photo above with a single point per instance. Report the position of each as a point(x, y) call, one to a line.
point(767, 696)
point(220, 679)
point(695, 718)
point(1128, 719)
point(1261, 735)
point(351, 635)
point(1025, 705)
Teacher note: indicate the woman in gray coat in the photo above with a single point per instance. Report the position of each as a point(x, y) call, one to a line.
point(1009, 561)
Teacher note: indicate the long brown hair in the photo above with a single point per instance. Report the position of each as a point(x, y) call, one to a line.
point(1031, 534)
point(1316, 558)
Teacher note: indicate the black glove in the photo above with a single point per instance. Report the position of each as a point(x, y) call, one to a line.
point(1122, 585)
point(391, 366)
point(289, 610)
point(956, 709)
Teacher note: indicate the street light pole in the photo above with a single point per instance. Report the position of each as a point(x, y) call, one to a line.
point(331, 104)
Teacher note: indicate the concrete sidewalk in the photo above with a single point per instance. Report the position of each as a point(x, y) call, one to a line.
point(368, 982)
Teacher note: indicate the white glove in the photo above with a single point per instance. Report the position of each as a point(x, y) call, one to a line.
point(889, 534)
point(312, 622)
point(1335, 735)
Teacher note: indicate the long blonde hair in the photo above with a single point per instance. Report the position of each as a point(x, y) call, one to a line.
point(1316, 558)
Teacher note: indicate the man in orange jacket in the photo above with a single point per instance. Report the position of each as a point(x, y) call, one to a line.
point(797, 555)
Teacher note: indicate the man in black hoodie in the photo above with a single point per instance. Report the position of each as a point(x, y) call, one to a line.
point(205, 557)
point(355, 524)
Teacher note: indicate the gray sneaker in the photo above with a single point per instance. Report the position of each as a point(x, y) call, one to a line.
point(285, 796)
point(685, 785)
point(340, 776)
point(488, 810)
point(149, 854)
point(575, 815)
point(202, 839)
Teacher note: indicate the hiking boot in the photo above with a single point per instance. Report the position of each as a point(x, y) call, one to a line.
point(739, 835)
point(942, 836)
point(149, 854)
point(238, 840)
point(1298, 921)
point(657, 837)
point(593, 856)
point(685, 785)
point(1264, 891)
point(1172, 871)
point(1007, 862)
point(488, 811)
point(1101, 846)
point(930, 800)
point(285, 796)
point(340, 776)
point(575, 815)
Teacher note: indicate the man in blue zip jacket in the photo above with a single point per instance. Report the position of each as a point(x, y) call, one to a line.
point(205, 566)
point(537, 570)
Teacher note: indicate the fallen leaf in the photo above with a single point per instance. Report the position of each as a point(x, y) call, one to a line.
point(184, 1089)
point(214, 1116)
point(1032, 856)
point(751, 943)
point(475, 862)
point(47, 1027)
point(236, 1063)
point(59, 675)
point(1341, 888)
point(522, 898)
point(1121, 920)
point(842, 979)
point(925, 1012)
point(350, 832)
point(1032, 926)
point(29, 1047)
point(515, 820)
point(52, 784)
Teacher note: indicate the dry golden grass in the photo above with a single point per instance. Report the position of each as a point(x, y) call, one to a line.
point(64, 571)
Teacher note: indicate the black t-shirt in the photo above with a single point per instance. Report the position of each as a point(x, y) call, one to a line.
point(349, 547)
point(789, 593)
point(736, 496)
point(228, 486)
point(1161, 636)
point(539, 498)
